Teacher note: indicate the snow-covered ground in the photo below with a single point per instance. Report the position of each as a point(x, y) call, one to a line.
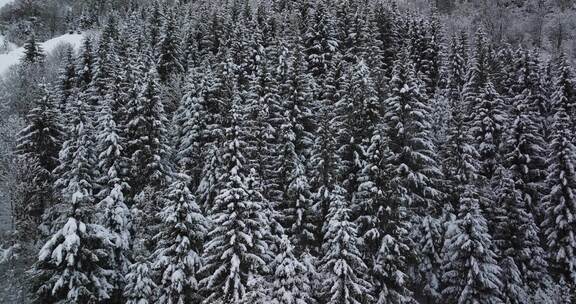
point(11, 58)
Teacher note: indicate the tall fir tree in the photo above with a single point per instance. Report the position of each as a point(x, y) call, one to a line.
point(517, 238)
point(146, 137)
point(524, 148)
point(341, 263)
point(33, 52)
point(412, 157)
point(179, 245)
point(358, 113)
point(115, 217)
point(323, 158)
point(471, 272)
point(237, 247)
point(291, 277)
point(564, 90)
point(487, 128)
point(139, 287)
point(74, 263)
point(296, 137)
point(560, 205)
point(169, 48)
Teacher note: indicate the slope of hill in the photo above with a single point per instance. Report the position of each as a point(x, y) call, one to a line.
point(11, 58)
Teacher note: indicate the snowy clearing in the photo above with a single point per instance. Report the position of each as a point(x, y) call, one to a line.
point(11, 58)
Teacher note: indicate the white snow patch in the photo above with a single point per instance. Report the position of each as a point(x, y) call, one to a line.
point(13, 57)
point(4, 2)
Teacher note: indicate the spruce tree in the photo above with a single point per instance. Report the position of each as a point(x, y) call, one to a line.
point(74, 263)
point(291, 278)
point(237, 245)
point(320, 40)
point(524, 148)
point(196, 120)
point(341, 262)
point(295, 140)
point(412, 157)
point(33, 52)
point(358, 113)
point(146, 137)
point(384, 228)
point(115, 217)
point(139, 287)
point(460, 165)
point(471, 272)
point(169, 49)
point(42, 137)
point(37, 146)
point(559, 203)
point(564, 90)
point(323, 159)
point(516, 235)
point(112, 162)
point(85, 66)
point(67, 79)
point(487, 128)
point(179, 245)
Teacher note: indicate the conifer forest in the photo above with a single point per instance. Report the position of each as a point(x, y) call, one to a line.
point(288, 152)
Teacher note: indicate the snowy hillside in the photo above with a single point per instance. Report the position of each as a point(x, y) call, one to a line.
point(12, 57)
point(4, 2)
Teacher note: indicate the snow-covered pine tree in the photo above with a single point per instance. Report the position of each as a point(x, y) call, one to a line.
point(390, 273)
point(384, 34)
point(237, 245)
point(177, 258)
point(153, 26)
point(386, 229)
point(112, 163)
point(74, 263)
point(42, 137)
point(169, 48)
point(105, 68)
point(564, 91)
point(352, 27)
point(115, 217)
point(195, 120)
point(460, 159)
point(341, 263)
point(139, 287)
point(358, 113)
point(146, 137)
point(291, 277)
point(85, 66)
point(412, 158)
point(263, 104)
point(37, 145)
point(80, 142)
point(424, 49)
point(524, 143)
point(560, 203)
point(487, 128)
point(477, 72)
point(431, 232)
point(470, 270)
point(517, 239)
point(67, 79)
point(33, 52)
point(320, 41)
point(295, 140)
point(218, 101)
point(323, 159)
